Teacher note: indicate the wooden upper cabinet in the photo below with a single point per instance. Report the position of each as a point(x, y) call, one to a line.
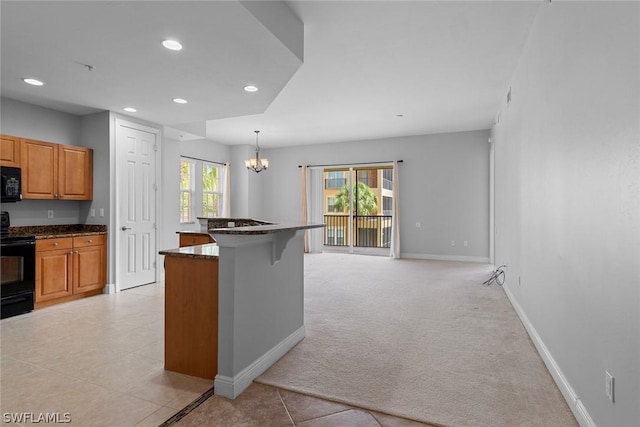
point(10, 151)
point(39, 169)
point(56, 171)
point(75, 171)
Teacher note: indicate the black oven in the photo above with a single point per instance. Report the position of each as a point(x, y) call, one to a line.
point(17, 273)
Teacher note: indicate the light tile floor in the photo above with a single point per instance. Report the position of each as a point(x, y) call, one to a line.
point(100, 360)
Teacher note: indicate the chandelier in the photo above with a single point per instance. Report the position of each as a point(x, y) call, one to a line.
point(257, 164)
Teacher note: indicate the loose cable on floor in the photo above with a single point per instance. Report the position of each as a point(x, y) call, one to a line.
point(496, 277)
point(190, 407)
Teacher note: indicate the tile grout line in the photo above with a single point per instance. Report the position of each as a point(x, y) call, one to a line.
point(285, 408)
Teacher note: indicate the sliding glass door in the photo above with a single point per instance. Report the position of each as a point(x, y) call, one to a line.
point(358, 204)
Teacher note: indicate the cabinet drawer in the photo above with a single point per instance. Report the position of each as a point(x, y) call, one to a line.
point(54, 244)
point(91, 240)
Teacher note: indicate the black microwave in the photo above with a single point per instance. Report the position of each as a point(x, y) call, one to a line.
point(11, 184)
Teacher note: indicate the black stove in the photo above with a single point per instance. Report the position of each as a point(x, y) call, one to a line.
point(17, 271)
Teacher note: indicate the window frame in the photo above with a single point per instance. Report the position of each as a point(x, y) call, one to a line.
point(190, 192)
point(198, 192)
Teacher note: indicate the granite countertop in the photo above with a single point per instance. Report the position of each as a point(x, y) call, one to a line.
point(58, 231)
point(204, 233)
point(265, 229)
point(208, 251)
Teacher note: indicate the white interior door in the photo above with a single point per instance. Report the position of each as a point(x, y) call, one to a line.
point(136, 200)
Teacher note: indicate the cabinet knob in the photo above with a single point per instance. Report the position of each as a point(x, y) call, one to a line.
point(55, 243)
point(90, 241)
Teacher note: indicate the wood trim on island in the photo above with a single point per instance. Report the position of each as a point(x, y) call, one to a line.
point(191, 316)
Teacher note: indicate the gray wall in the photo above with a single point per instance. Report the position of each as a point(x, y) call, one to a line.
point(568, 200)
point(30, 121)
point(94, 133)
point(444, 185)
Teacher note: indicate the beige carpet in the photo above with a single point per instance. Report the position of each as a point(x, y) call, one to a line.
point(418, 339)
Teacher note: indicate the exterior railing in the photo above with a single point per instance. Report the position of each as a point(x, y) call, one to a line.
point(371, 231)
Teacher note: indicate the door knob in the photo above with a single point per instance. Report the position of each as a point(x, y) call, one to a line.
point(125, 228)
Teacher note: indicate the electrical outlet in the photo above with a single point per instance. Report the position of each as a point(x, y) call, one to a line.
point(609, 385)
point(49, 214)
point(92, 213)
point(418, 225)
point(466, 243)
point(101, 211)
point(453, 243)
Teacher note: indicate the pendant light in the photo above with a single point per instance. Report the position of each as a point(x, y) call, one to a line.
point(257, 164)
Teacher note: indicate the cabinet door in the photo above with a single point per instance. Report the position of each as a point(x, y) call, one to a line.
point(53, 274)
point(39, 162)
point(75, 173)
point(89, 268)
point(10, 151)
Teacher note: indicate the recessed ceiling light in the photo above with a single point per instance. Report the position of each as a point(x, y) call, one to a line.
point(250, 88)
point(179, 101)
point(172, 44)
point(33, 82)
point(129, 109)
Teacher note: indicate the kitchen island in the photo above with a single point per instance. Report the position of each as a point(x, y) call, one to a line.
point(260, 297)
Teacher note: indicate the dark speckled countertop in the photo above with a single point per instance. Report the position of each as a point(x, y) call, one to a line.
point(57, 231)
point(266, 228)
point(209, 251)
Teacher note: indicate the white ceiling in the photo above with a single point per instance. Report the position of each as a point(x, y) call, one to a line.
point(443, 65)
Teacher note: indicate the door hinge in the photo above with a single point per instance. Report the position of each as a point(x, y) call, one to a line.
point(155, 147)
point(155, 226)
point(155, 187)
point(154, 264)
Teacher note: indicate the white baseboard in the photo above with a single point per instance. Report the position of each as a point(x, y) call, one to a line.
point(575, 404)
point(232, 387)
point(483, 260)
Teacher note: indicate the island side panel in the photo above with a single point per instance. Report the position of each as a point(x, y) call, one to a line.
point(261, 303)
point(191, 316)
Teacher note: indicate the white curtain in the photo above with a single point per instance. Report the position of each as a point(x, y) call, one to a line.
point(304, 198)
point(226, 195)
point(395, 226)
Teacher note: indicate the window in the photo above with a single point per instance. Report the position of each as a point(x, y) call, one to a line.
point(335, 179)
point(186, 191)
point(330, 202)
point(387, 205)
point(200, 190)
point(387, 179)
point(211, 195)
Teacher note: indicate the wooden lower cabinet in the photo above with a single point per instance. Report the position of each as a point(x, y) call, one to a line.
point(69, 268)
point(53, 274)
point(191, 316)
point(89, 263)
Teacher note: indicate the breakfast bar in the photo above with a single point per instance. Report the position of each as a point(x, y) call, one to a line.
point(249, 289)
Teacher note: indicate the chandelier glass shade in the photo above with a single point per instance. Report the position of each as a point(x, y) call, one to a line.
point(257, 164)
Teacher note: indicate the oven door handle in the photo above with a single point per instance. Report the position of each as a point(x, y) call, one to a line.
point(14, 244)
